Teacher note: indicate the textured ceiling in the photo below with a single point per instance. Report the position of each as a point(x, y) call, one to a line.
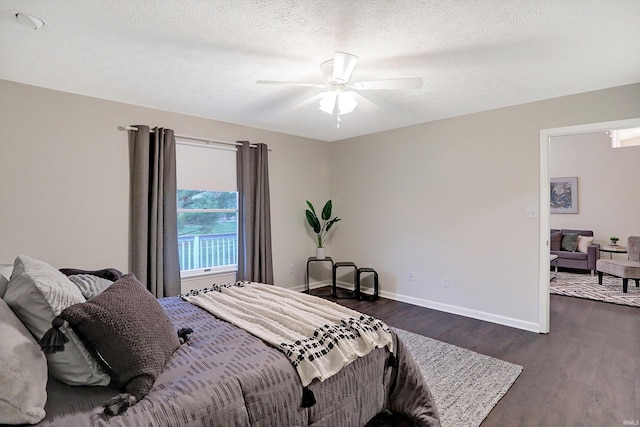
point(202, 58)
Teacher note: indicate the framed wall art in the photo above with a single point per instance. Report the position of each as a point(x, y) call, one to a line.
point(564, 195)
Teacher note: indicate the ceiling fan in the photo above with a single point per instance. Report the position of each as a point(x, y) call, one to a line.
point(340, 94)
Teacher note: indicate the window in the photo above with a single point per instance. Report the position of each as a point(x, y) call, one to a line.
point(624, 137)
point(207, 202)
point(207, 231)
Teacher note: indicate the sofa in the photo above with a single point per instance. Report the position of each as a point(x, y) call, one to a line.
point(575, 249)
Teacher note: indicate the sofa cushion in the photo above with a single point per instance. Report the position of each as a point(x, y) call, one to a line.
point(620, 268)
point(556, 240)
point(580, 256)
point(580, 232)
point(583, 243)
point(569, 242)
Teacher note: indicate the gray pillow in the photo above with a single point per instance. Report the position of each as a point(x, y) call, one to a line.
point(130, 331)
point(106, 273)
point(90, 285)
point(569, 242)
point(3, 285)
point(23, 372)
point(37, 293)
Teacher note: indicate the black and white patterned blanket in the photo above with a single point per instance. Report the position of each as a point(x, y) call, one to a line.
point(318, 336)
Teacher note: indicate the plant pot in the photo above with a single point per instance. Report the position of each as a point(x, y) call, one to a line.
point(320, 253)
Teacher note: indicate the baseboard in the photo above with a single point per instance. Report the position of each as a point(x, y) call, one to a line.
point(462, 311)
point(447, 308)
point(313, 285)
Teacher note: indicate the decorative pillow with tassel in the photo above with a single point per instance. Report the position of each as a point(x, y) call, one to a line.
point(129, 331)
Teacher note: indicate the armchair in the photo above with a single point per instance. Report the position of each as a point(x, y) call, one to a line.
point(627, 269)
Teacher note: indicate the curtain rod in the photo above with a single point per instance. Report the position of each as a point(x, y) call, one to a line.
point(196, 138)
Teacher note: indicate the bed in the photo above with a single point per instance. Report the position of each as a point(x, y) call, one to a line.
point(226, 376)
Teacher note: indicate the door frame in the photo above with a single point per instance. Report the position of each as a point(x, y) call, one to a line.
point(545, 140)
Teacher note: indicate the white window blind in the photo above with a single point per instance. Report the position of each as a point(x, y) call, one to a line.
point(201, 167)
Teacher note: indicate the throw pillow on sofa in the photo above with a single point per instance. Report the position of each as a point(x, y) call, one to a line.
point(569, 242)
point(556, 240)
point(583, 243)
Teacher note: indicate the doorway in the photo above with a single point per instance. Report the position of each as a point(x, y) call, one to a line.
point(545, 137)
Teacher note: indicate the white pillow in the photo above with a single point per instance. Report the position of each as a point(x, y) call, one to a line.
point(90, 285)
point(37, 293)
point(583, 243)
point(23, 372)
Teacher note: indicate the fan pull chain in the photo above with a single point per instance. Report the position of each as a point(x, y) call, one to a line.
point(337, 109)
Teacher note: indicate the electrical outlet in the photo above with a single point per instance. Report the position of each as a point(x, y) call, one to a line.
point(530, 213)
point(410, 276)
point(445, 282)
point(291, 269)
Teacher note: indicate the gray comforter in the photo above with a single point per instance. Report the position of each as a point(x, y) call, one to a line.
point(227, 377)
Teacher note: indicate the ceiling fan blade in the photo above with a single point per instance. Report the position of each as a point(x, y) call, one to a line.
point(343, 66)
point(408, 83)
point(276, 82)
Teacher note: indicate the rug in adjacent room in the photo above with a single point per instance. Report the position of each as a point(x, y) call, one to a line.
point(466, 385)
point(586, 286)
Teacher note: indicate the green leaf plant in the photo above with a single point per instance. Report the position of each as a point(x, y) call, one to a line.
point(321, 228)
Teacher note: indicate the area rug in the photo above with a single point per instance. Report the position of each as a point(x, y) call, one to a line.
point(466, 385)
point(586, 286)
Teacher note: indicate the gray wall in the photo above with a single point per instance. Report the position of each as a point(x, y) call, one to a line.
point(447, 199)
point(441, 199)
point(64, 180)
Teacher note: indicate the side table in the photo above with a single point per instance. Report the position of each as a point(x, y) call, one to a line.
point(355, 293)
point(613, 250)
point(314, 259)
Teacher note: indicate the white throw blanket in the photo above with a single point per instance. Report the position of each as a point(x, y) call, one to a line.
point(317, 335)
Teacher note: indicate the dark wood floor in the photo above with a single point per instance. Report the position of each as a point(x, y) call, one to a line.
point(586, 372)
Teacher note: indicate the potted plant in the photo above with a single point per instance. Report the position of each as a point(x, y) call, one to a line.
point(321, 228)
point(614, 241)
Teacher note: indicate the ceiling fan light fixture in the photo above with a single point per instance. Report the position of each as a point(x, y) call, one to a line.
point(346, 103)
point(328, 102)
point(345, 100)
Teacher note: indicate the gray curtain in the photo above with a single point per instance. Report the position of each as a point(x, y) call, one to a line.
point(154, 229)
point(254, 219)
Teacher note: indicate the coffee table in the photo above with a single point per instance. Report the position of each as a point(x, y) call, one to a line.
point(553, 258)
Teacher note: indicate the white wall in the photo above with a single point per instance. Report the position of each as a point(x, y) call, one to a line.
point(447, 199)
point(608, 185)
point(64, 179)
